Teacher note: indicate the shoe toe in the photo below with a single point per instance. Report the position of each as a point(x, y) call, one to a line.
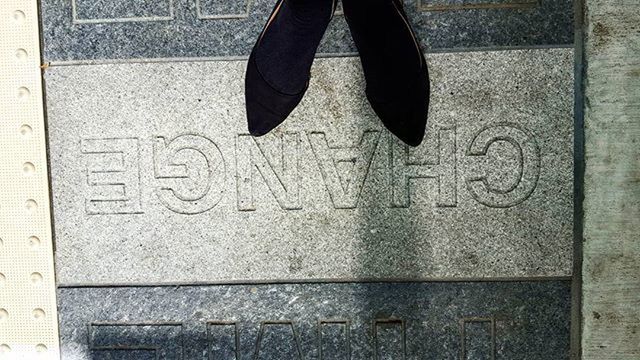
point(405, 120)
point(260, 119)
point(266, 107)
point(406, 117)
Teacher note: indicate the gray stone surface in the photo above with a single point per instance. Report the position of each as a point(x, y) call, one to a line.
point(155, 179)
point(128, 29)
point(611, 267)
point(476, 321)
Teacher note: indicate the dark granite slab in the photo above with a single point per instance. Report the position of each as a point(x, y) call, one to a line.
point(128, 29)
point(490, 320)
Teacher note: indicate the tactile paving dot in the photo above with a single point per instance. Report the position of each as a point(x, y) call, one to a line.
point(31, 205)
point(28, 319)
point(24, 93)
point(34, 242)
point(19, 16)
point(21, 54)
point(38, 314)
point(29, 168)
point(36, 278)
point(4, 315)
point(25, 130)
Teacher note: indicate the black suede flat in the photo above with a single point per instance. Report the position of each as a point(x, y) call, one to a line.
point(406, 116)
point(394, 66)
point(266, 106)
point(276, 85)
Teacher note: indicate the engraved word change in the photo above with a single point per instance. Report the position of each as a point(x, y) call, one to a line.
point(498, 166)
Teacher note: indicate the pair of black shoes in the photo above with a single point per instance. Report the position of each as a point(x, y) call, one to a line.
point(394, 66)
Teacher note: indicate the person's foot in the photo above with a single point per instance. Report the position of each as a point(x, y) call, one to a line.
point(279, 66)
point(394, 66)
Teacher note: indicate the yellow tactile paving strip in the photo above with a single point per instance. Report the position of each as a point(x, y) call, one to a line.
point(28, 317)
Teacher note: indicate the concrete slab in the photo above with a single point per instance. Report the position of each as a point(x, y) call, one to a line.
point(127, 29)
point(155, 179)
point(611, 267)
point(520, 320)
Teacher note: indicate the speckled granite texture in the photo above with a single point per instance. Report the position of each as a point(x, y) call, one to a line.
point(155, 179)
point(478, 321)
point(128, 29)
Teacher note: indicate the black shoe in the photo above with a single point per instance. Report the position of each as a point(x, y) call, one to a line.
point(394, 66)
point(279, 66)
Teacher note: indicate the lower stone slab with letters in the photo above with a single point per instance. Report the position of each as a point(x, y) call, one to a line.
point(155, 179)
point(489, 320)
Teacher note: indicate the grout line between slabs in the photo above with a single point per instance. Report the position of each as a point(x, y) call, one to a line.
point(319, 55)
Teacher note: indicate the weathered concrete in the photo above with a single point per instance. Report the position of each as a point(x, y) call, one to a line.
point(471, 321)
point(611, 268)
point(155, 180)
